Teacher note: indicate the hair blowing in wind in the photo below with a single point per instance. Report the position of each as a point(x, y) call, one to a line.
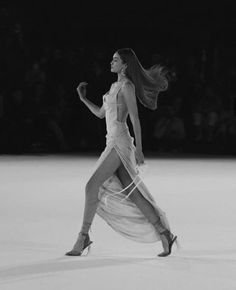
point(148, 82)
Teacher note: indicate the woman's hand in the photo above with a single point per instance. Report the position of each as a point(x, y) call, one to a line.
point(139, 157)
point(81, 89)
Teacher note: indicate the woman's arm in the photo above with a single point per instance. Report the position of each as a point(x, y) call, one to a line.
point(97, 111)
point(130, 99)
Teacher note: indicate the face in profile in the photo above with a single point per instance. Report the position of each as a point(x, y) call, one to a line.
point(117, 64)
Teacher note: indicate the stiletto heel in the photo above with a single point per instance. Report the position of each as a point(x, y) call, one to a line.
point(88, 249)
point(171, 239)
point(83, 242)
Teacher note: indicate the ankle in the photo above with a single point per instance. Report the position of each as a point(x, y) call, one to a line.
point(85, 228)
point(83, 234)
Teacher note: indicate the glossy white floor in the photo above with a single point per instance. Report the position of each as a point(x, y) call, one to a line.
point(41, 206)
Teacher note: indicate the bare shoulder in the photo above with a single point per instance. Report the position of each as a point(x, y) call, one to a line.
point(128, 86)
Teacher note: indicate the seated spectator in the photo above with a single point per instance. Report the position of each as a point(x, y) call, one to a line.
point(169, 131)
point(17, 123)
point(2, 125)
point(35, 75)
point(46, 130)
point(226, 131)
point(206, 114)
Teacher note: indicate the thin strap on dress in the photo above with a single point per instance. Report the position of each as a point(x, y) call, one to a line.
point(128, 195)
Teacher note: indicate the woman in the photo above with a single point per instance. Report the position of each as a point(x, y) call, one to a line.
point(115, 190)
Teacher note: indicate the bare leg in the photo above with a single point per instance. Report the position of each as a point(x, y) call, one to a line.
point(104, 171)
point(143, 204)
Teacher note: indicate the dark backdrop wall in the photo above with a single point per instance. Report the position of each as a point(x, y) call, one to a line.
point(47, 49)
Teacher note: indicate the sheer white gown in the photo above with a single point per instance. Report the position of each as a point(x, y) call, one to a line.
point(114, 206)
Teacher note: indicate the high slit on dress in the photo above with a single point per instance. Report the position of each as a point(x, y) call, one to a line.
point(114, 207)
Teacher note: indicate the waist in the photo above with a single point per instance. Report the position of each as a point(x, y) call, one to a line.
point(118, 130)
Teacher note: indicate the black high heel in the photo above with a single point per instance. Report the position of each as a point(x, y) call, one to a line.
point(170, 239)
point(83, 242)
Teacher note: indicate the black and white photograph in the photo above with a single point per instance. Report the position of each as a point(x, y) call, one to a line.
point(118, 145)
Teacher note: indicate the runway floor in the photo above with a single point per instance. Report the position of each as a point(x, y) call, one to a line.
point(41, 207)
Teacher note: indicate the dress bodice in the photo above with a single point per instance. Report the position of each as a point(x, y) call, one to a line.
point(113, 108)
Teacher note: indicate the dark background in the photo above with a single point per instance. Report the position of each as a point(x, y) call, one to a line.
point(46, 49)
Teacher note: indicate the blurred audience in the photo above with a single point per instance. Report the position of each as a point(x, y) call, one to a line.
point(169, 131)
point(40, 110)
point(206, 113)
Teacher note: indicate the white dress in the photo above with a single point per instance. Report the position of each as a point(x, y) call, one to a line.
point(114, 206)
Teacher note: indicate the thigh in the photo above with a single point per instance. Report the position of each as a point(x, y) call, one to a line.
point(136, 196)
point(126, 180)
point(123, 175)
point(105, 170)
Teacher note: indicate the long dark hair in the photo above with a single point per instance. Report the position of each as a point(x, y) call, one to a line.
point(148, 82)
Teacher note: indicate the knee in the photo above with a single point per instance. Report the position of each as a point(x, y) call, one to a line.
point(88, 187)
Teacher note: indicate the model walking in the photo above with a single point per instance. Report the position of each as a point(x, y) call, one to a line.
point(115, 191)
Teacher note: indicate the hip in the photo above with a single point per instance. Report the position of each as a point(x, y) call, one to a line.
point(119, 134)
